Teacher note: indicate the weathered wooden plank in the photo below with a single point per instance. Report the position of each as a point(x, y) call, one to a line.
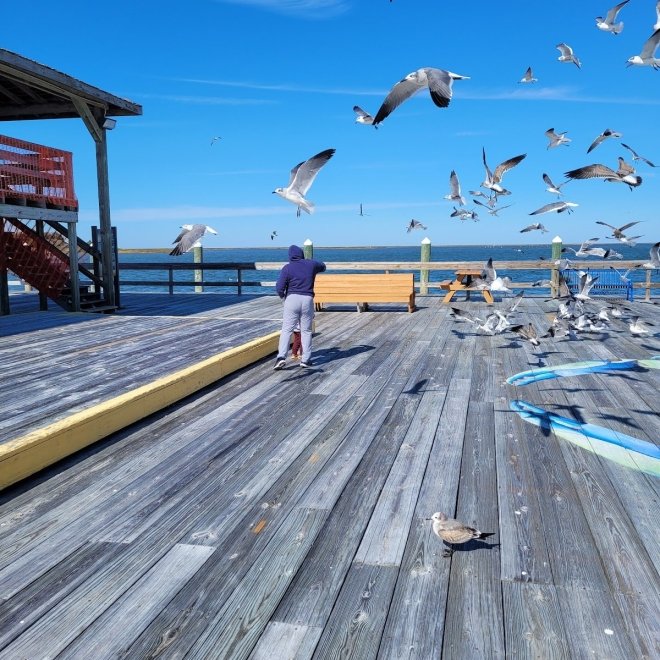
point(533, 623)
point(474, 625)
point(244, 615)
point(286, 640)
point(355, 626)
point(119, 625)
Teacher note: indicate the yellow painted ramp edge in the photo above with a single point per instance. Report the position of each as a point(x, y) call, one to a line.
point(23, 456)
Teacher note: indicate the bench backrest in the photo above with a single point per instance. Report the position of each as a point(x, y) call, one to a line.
point(365, 283)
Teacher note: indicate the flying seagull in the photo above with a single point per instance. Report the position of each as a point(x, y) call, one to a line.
point(533, 227)
point(363, 117)
point(494, 179)
point(528, 77)
point(647, 56)
point(617, 232)
point(552, 187)
point(654, 254)
point(492, 209)
point(586, 249)
point(464, 214)
point(415, 224)
point(567, 55)
point(455, 189)
point(657, 13)
point(607, 133)
point(215, 139)
point(559, 207)
point(190, 237)
point(362, 213)
point(608, 24)
point(597, 171)
point(438, 81)
point(636, 156)
point(556, 138)
point(454, 532)
point(302, 177)
point(272, 235)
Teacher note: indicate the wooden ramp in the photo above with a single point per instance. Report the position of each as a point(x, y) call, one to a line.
point(284, 514)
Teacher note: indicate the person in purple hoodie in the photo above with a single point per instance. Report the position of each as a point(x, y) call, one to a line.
point(295, 285)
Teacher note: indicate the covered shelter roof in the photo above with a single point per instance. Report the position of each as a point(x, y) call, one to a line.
point(29, 90)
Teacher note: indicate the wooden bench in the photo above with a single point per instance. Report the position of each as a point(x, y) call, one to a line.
point(363, 289)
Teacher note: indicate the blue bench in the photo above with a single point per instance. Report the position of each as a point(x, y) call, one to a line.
point(609, 283)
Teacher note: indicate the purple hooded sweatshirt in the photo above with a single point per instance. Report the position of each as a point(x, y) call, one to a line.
point(298, 275)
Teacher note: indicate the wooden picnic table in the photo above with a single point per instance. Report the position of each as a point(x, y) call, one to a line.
point(463, 282)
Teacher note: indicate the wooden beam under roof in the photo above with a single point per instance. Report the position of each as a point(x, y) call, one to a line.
point(56, 91)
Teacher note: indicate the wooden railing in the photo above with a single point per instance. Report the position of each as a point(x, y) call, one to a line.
point(448, 267)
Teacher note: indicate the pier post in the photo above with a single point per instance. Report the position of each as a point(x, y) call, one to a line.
point(647, 284)
point(308, 249)
point(198, 258)
point(554, 274)
point(425, 256)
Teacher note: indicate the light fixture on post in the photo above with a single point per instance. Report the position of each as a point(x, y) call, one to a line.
point(109, 124)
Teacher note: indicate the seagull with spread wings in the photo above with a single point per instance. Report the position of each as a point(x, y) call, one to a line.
point(455, 189)
point(363, 117)
point(559, 207)
point(567, 55)
point(493, 180)
point(556, 138)
point(552, 187)
point(647, 56)
point(609, 24)
point(537, 226)
point(415, 224)
point(302, 177)
point(636, 156)
point(528, 77)
point(607, 133)
point(438, 81)
point(617, 232)
point(625, 174)
point(190, 237)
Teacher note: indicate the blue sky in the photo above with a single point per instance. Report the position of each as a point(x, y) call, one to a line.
point(277, 79)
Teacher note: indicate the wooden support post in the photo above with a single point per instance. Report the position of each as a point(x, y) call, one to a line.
point(647, 284)
point(74, 281)
point(105, 224)
point(198, 258)
point(43, 299)
point(554, 273)
point(4, 283)
point(425, 257)
point(170, 280)
point(308, 249)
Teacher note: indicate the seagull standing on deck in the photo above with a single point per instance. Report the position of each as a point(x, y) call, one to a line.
point(190, 237)
point(647, 56)
point(302, 177)
point(454, 532)
point(438, 81)
point(567, 55)
point(608, 23)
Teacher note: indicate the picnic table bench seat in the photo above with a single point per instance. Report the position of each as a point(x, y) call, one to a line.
point(364, 288)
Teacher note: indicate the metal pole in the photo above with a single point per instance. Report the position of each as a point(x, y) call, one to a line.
point(554, 274)
point(424, 272)
point(198, 258)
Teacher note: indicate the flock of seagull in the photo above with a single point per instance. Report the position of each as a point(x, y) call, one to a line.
point(439, 84)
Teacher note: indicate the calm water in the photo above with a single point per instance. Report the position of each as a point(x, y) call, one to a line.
point(389, 253)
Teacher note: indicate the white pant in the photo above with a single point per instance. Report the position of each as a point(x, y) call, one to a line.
point(297, 309)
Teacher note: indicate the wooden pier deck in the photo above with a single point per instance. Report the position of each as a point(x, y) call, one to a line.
point(281, 515)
